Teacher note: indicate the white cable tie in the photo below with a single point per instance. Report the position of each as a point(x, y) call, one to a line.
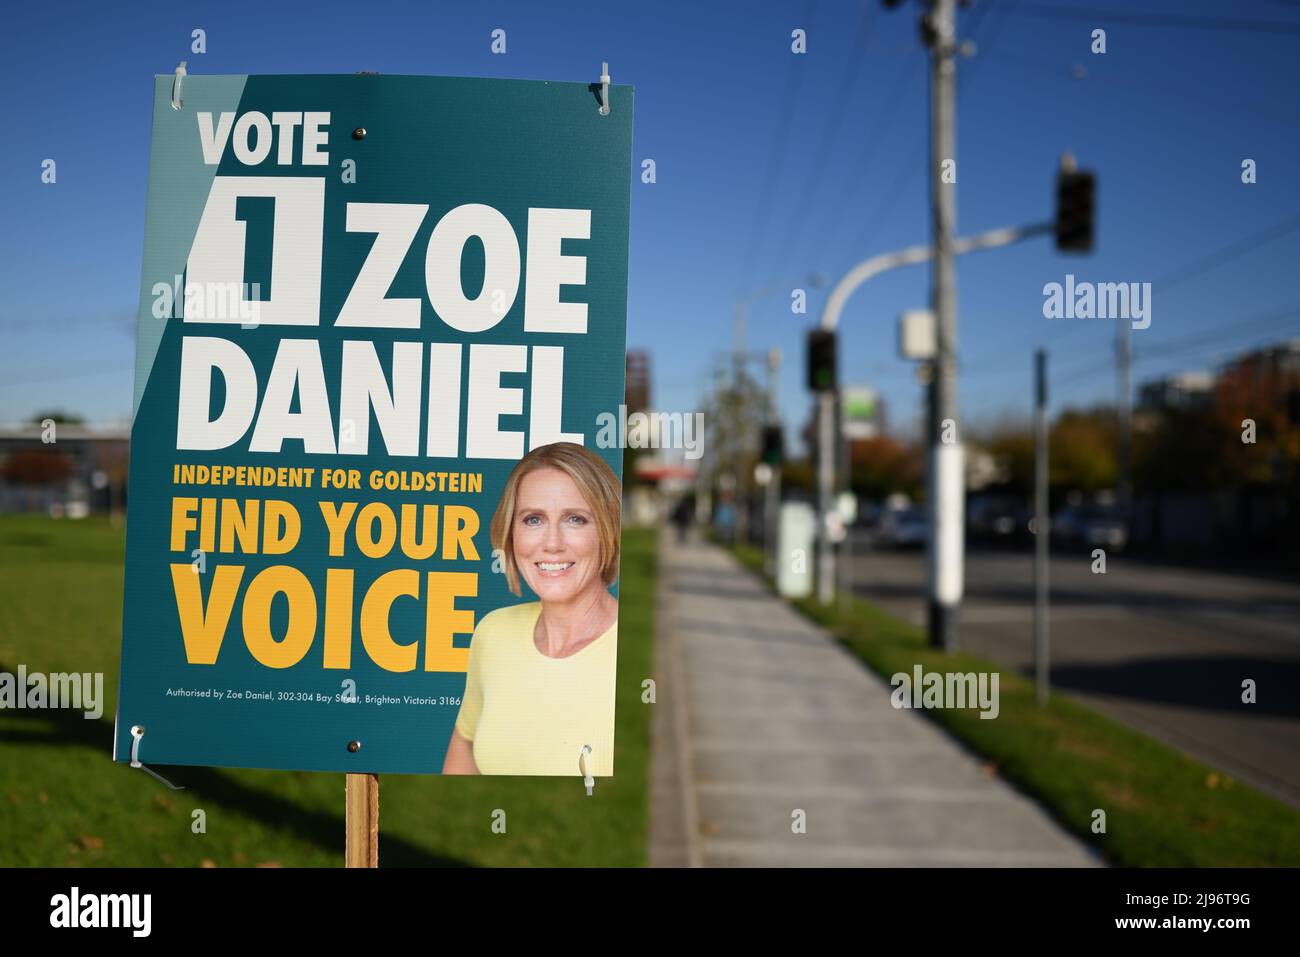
point(587, 779)
point(137, 734)
point(176, 85)
point(604, 89)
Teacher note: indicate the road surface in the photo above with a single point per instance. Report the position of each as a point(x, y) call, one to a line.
point(1160, 648)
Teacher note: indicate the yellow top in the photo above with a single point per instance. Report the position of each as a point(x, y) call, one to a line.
point(530, 714)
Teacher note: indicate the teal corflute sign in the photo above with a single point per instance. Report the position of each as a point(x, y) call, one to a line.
point(373, 524)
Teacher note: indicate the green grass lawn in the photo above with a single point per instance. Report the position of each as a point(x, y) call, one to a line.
point(63, 802)
point(1163, 809)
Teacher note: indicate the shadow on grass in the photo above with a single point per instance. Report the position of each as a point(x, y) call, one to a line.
point(69, 728)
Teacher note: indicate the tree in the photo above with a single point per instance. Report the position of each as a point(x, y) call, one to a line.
point(1082, 450)
point(798, 474)
point(881, 466)
point(1255, 390)
point(1012, 448)
point(60, 418)
point(734, 420)
point(1176, 452)
point(37, 467)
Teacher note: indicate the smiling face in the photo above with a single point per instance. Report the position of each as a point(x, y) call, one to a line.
point(556, 539)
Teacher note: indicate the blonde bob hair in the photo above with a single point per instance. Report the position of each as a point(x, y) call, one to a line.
point(598, 485)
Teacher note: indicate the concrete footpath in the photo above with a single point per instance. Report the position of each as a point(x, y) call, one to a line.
point(760, 715)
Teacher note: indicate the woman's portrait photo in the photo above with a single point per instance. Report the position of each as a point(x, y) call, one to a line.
point(540, 682)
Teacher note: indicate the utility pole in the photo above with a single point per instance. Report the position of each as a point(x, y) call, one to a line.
point(1124, 407)
point(739, 332)
point(740, 500)
point(825, 491)
point(739, 358)
point(947, 468)
point(706, 463)
point(772, 501)
point(717, 453)
point(1042, 530)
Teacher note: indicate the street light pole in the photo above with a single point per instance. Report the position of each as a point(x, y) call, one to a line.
point(839, 296)
point(1042, 531)
point(772, 500)
point(740, 320)
point(947, 467)
point(1124, 441)
point(825, 480)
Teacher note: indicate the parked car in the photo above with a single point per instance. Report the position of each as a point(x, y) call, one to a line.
point(903, 528)
point(1091, 526)
point(997, 518)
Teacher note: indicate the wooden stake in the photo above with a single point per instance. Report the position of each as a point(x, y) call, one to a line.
point(361, 820)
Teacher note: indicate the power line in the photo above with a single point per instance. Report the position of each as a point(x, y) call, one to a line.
point(914, 163)
point(1199, 266)
point(1248, 327)
point(1069, 72)
point(83, 370)
point(834, 121)
point(1252, 327)
point(977, 18)
point(915, 160)
point(1183, 21)
point(47, 324)
point(1230, 252)
point(891, 107)
point(1205, 263)
point(775, 158)
point(1001, 10)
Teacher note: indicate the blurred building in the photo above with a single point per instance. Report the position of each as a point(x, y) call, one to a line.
point(1231, 495)
point(1183, 390)
point(641, 504)
point(1278, 367)
point(637, 388)
point(83, 468)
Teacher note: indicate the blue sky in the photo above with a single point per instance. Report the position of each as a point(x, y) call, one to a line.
point(770, 166)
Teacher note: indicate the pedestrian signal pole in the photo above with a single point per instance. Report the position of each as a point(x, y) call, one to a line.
point(823, 382)
point(1042, 529)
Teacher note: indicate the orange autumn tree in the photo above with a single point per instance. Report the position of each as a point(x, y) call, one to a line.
point(1254, 390)
point(36, 467)
point(883, 465)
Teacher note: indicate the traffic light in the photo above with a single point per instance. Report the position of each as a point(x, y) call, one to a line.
point(773, 445)
point(1075, 210)
point(821, 361)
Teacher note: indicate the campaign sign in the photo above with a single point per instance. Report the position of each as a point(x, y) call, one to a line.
point(374, 519)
